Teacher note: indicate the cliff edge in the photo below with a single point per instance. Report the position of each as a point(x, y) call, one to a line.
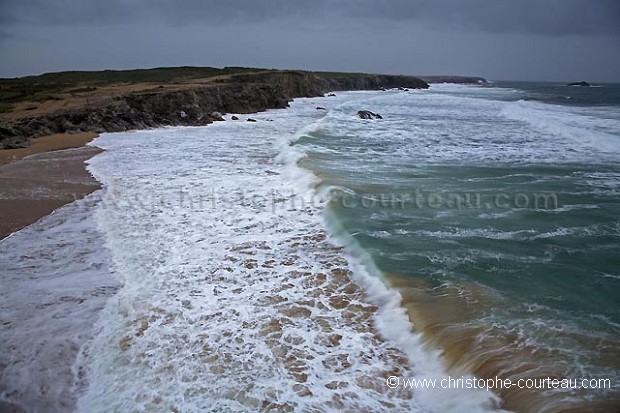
point(114, 101)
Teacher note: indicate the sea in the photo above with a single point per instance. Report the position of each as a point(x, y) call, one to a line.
point(313, 261)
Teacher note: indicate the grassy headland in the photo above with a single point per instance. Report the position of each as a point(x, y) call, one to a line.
point(117, 100)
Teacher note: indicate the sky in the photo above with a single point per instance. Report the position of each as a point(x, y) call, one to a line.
point(547, 40)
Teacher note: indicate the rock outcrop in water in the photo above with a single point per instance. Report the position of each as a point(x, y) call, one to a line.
point(192, 105)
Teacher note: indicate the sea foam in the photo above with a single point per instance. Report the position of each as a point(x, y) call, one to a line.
point(55, 280)
point(235, 296)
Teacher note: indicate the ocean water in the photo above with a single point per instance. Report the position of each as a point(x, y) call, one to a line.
point(235, 296)
point(55, 279)
point(295, 263)
point(495, 212)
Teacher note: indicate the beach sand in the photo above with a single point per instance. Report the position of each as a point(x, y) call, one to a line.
point(46, 144)
point(37, 180)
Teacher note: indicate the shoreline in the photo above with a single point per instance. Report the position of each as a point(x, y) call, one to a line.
point(71, 156)
point(37, 180)
point(264, 281)
point(48, 143)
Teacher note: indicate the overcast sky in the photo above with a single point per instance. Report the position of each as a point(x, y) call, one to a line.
point(564, 40)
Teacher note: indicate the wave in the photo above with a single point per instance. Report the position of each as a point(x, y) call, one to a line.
point(391, 317)
point(582, 130)
point(433, 139)
point(395, 324)
point(56, 278)
point(235, 298)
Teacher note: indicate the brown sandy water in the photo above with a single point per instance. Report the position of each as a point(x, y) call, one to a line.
point(454, 320)
point(447, 318)
point(431, 144)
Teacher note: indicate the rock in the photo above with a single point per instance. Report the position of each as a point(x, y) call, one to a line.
point(216, 116)
point(14, 142)
point(9, 139)
point(6, 131)
point(366, 114)
point(156, 106)
point(234, 118)
point(251, 120)
point(320, 108)
point(331, 95)
point(582, 83)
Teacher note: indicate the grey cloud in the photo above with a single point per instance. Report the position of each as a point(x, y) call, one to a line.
point(54, 12)
point(58, 12)
point(499, 39)
point(548, 17)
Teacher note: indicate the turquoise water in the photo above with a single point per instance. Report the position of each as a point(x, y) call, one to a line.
point(506, 196)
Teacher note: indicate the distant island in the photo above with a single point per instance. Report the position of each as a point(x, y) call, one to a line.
point(582, 83)
point(466, 80)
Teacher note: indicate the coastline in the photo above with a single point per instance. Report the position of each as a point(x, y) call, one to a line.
point(48, 143)
point(282, 311)
point(424, 322)
point(85, 104)
point(37, 180)
point(52, 179)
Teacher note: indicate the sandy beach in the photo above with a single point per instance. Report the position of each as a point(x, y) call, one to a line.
point(35, 181)
point(47, 143)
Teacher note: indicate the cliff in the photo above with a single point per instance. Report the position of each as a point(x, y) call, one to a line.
point(178, 101)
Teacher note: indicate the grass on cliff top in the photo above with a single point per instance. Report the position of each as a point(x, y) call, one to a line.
point(44, 87)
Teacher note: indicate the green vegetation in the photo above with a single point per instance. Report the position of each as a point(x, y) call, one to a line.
point(44, 87)
point(56, 86)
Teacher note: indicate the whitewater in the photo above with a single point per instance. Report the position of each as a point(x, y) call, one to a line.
point(225, 291)
point(229, 268)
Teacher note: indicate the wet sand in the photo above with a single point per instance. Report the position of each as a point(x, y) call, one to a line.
point(47, 144)
point(33, 187)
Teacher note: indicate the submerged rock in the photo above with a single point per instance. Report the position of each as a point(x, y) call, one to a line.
point(320, 108)
point(251, 120)
point(331, 95)
point(366, 114)
point(234, 118)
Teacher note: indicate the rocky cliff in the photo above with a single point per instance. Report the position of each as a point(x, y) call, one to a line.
point(196, 103)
